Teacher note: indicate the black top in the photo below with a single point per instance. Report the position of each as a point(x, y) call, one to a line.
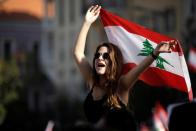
point(95, 109)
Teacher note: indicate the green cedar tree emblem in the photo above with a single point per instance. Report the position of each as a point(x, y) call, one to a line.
point(147, 49)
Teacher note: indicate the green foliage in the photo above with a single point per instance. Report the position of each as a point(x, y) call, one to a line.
point(148, 49)
point(2, 113)
point(9, 84)
point(160, 61)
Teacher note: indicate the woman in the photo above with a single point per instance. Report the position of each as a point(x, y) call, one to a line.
point(108, 89)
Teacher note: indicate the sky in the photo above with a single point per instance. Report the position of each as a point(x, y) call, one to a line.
point(34, 7)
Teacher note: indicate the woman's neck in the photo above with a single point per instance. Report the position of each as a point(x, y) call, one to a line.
point(102, 81)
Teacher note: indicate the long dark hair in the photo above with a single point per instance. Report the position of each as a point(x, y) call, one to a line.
point(112, 74)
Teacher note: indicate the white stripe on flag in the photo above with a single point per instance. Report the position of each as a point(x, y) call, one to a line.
point(186, 74)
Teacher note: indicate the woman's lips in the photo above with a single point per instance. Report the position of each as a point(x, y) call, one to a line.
point(101, 64)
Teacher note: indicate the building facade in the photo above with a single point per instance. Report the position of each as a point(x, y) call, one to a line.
point(61, 22)
point(20, 34)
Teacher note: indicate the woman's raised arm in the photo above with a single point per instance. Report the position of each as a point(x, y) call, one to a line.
point(78, 51)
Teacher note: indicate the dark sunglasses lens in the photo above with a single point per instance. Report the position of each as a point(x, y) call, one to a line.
point(97, 55)
point(105, 56)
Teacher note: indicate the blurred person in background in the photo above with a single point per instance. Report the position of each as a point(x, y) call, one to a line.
point(182, 116)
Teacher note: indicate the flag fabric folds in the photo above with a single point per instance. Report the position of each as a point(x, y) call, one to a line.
point(136, 42)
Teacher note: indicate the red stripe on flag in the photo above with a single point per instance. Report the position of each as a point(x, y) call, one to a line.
point(135, 29)
point(159, 78)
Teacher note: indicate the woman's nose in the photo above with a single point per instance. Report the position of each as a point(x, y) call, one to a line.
point(100, 57)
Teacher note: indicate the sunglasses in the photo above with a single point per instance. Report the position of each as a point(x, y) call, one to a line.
point(104, 55)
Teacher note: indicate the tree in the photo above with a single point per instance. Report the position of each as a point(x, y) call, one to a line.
point(9, 84)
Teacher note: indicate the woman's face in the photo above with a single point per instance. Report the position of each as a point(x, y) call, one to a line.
point(101, 60)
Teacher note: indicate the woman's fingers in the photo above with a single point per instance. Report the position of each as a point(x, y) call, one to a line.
point(92, 13)
point(166, 46)
point(90, 9)
point(173, 43)
point(97, 10)
point(94, 10)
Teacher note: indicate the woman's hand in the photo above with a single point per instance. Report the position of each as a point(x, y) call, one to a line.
point(92, 14)
point(165, 47)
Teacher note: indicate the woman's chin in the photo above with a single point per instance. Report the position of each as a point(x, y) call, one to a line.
point(101, 72)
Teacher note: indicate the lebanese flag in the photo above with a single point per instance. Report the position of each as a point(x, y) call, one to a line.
point(192, 60)
point(136, 42)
